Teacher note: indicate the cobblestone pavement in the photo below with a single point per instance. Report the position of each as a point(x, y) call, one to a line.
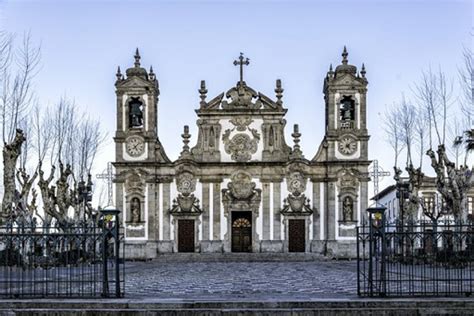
point(242, 280)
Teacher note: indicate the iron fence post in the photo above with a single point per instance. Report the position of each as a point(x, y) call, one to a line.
point(358, 260)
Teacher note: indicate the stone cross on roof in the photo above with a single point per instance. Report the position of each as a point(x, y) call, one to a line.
point(242, 62)
point(376, 172)
point(109, 176)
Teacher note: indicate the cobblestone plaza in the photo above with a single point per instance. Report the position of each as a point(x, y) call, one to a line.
point(242, 280)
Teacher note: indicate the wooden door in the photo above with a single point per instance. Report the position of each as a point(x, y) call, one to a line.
point(296, 235)
point(242, 233)
point(185, 235)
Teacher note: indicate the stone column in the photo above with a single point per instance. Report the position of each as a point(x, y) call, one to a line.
point(266, 211)
point(276, 211)
point(206, 210)
point(216, 208)
point(152, 211)
point(119, 201)
point(363, 200)
point(166, 209)
point(331, 209)
point(316, 211)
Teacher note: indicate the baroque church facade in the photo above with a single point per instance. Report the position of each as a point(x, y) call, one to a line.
point(242, 187)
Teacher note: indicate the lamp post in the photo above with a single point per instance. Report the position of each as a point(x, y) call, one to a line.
point(402, 195)
point(85, 194)
point(110, 226)
point(377, 228)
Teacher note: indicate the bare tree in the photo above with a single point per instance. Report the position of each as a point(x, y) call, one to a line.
point(421, 124)
point(428, 99)
point(17, 93)
point(452, 183)
point(466, 76)
point(407, 119)
point(41, 131)
point(18, 66)
point(393, 132)
point(74, 142)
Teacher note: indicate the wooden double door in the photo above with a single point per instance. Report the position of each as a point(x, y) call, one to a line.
point(186, 235)
point(242, 231)
point(296, 235)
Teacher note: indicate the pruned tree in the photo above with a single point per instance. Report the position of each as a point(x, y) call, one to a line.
point(11, 152)
point(48, 196)
point(18, 66)
point(452, 183)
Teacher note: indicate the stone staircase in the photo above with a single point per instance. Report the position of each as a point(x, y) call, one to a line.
point(239, 257)
point(148, 307)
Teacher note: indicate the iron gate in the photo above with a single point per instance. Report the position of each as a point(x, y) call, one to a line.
point(422, 259)
point(64, 260)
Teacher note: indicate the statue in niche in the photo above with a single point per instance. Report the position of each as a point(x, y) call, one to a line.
point(136, 112)
point(135, 210)
point(347, 209)
point(347, 109)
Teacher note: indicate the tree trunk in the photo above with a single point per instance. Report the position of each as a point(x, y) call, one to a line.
point(11, 152)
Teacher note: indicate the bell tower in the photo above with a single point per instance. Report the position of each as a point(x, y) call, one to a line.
point(345, 92)
point(343, 156)
point(136, 136)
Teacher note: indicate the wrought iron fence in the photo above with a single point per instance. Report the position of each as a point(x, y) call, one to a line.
point(82, 260)
point(423, 259)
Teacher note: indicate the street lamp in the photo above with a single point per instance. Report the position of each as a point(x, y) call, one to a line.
point(403, 193)
point(85, 194)
point(377, 222)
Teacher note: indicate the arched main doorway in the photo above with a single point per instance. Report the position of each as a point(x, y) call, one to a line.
point(241, 231)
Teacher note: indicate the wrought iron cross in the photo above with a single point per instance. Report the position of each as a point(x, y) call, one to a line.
point(376, 173)
point(109, 176)
point(241, 62)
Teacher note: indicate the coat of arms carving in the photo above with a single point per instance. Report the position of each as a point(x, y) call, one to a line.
point(296, 183)
point(185, 183)
point(241, 146)
point(241, 192)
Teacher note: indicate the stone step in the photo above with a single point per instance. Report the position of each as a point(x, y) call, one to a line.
point(176, 307)
point(239, 257)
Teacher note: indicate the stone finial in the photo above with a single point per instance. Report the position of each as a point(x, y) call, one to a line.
point(203, 93)
point(119, 74)
point(279, 92)
point(330, 73)
point(137, 58)
point(151, 74)
point(296, 152)
point(362, 71)
point(344, 55)
point(186, 136)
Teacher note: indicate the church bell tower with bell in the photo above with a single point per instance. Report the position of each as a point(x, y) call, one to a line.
point(137, 153)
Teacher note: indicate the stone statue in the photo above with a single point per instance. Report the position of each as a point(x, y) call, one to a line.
point(347, 209)
point(135, 210)
point(136, 113)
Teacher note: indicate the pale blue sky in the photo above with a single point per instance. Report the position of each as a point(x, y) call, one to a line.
point(186, 41)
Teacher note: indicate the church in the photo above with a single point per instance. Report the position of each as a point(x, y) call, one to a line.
point(241, 186)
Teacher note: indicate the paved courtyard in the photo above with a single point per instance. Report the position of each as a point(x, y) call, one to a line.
point(242, 280)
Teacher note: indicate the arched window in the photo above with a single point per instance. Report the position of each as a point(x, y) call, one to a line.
point(135, 110)
point(347, 112)
point(241, 222)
